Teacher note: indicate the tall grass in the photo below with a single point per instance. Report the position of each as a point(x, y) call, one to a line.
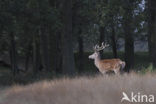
point(81, 90)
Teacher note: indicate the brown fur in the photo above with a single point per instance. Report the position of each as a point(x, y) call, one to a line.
point(110, 65)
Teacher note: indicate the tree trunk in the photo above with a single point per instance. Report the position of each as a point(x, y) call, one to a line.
point(128, 32)
point(44, 47)
point(55, 45)
point(27, 56)
point(13, 57)
point(152, 30)
point(59, 54)
point(36, 54)
point(55, 53)
point(114, 45)
point(102, 38)
point(68, 62)
point(149, 20)
point(81, 53)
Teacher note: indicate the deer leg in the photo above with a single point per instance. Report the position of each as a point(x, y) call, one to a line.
point(116, 71)
point(103, 72)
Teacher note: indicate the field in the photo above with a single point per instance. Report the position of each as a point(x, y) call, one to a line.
point(81, 90)
point(88, 88)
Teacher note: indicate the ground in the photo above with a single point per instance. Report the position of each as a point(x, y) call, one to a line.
point(81, 90)
point(87, 88)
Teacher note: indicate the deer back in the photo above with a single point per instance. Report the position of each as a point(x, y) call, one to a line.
point(110, 64)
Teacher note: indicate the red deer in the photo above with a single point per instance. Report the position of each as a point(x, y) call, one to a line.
point(105, 65)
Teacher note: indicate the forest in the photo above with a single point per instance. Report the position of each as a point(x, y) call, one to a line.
point(46, 47)
point(54, 38)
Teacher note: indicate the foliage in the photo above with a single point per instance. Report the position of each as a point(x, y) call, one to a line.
point(25, 18)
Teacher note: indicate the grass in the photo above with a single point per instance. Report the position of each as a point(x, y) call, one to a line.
point(89, 88)
point(81, 90)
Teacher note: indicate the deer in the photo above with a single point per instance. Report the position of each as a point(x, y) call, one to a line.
point(106, 65)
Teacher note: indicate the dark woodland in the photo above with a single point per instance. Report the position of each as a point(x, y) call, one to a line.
point(53, 38)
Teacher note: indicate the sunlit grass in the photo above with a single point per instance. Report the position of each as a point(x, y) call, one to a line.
point(81, 90)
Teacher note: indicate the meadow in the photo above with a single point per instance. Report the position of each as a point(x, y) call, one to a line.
point(88, 88)
point(81, 90)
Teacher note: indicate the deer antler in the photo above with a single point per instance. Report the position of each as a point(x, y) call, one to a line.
point(103, 46)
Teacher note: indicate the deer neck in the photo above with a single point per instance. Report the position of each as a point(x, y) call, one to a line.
point(97, 60)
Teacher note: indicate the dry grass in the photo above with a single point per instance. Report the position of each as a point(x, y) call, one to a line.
point(82, 90)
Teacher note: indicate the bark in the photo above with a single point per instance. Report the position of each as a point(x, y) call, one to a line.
point(59, 54)
point(68, 62)
point(36, 54)
point(102, 38)
point(55, 45)
point(44, 47)
point(114, 45)
point(129, 39)
point(81, 53)
point(151, 4)
point(13, 56)
point(27, 56)
point(102, 35)
point(55, 53)
point(149, 20)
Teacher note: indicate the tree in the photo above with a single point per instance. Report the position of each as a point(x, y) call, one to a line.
point(13, 54)
point(114, 43)
point(36, 53)
point(151, 6)
point(68, 64)
point(128, 6)
point(108, 13)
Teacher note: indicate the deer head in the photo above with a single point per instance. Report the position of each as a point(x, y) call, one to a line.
point(97, 48)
